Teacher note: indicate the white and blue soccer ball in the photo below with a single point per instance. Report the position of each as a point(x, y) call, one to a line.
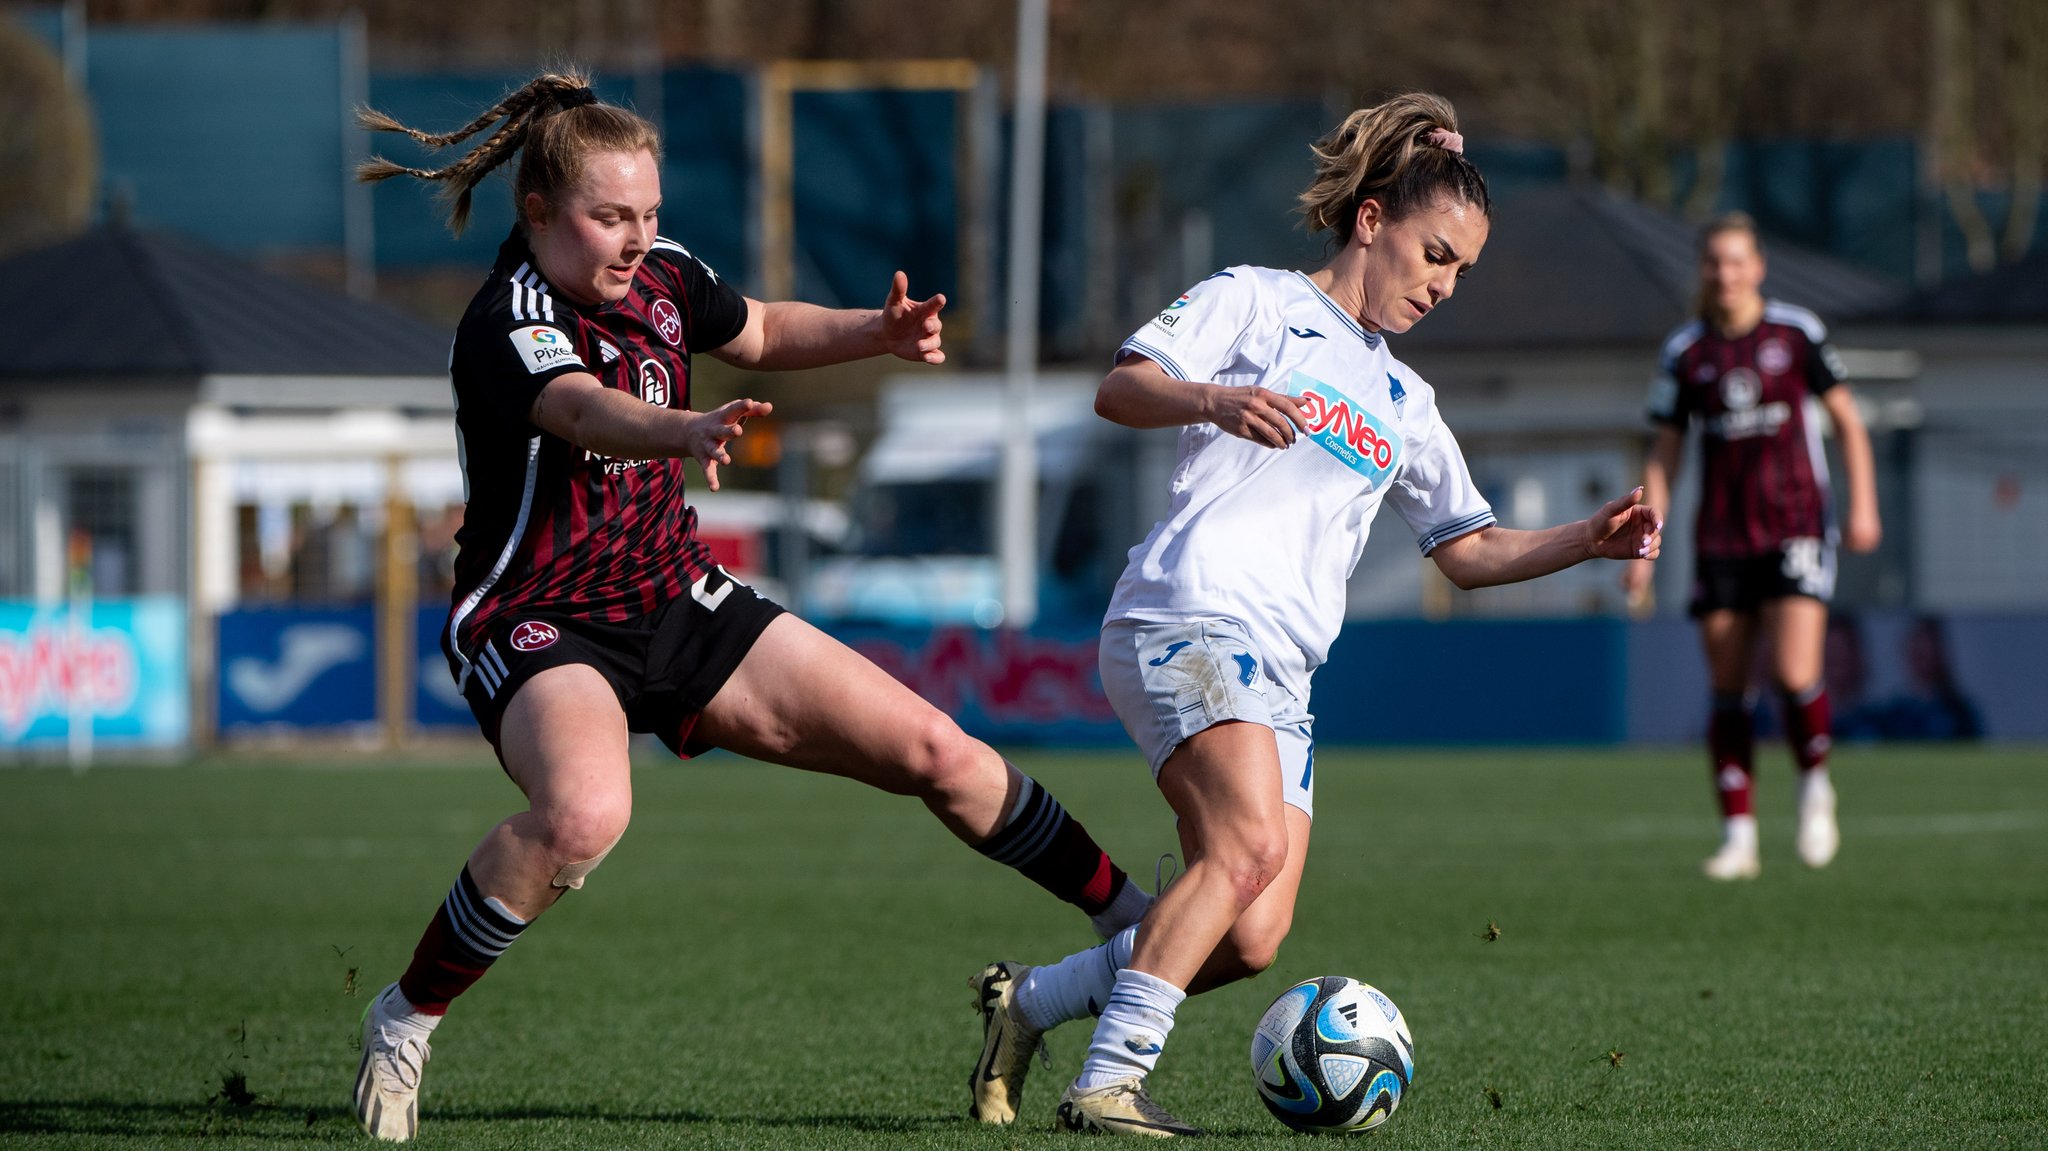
point(1332, 1055)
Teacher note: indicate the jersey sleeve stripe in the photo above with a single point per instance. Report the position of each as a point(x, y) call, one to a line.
point(1463, 525)
point(530, 298)
point(1161, 358)
point(1677, 342)
point(1780, 312)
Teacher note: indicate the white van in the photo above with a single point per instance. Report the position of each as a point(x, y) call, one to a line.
point(921, 551)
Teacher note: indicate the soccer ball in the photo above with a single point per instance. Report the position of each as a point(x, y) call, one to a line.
point(1332, 1055)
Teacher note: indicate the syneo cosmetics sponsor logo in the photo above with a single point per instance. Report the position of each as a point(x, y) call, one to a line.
point(1342, 427)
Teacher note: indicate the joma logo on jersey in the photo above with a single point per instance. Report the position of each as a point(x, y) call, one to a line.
point(1342, 427)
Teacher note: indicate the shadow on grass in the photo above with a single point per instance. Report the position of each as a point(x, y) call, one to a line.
point(114, 1119)
point(117, 1118)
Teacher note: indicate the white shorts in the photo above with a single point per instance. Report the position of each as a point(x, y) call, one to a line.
point(1168, 681)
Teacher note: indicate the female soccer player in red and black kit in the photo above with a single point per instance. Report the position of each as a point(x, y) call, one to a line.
point(1744, 371)
point(585, 607)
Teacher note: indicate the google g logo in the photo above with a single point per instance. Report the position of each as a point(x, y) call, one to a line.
point(543, 336)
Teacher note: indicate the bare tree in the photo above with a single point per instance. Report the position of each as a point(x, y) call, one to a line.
point(2026, 110)
point(1952, 98)
point(47, 159)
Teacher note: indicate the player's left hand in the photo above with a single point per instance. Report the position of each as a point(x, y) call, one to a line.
point(1864, 532)
point(910, 328)
point(1626, 529)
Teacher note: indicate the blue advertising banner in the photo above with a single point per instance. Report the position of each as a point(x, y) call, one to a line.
point(297, 668)
point(120, 665)
point(1544, 681)
point(435, 702)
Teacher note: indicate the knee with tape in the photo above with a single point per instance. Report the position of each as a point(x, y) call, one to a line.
point(571, 875)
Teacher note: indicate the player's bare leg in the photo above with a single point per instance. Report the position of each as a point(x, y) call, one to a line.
point(1798, 628)
point(1020, 1003)
point(1253, 941)
point(805, 700)
point(563, 741)
point(1729, 639)
point(1224, 784)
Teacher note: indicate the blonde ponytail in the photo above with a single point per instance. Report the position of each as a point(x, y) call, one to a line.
point(1405, 153)
point(552, 124)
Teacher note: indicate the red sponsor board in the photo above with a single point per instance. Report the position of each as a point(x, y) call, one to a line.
point(1001, 684)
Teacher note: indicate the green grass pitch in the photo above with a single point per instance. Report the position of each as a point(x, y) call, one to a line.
point(772, 959)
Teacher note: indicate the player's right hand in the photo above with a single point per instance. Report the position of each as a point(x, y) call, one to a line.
point(1268, 418)
point(710, 431)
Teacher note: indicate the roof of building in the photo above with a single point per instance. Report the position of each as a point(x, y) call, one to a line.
point(1574, 266)
point(120, 303)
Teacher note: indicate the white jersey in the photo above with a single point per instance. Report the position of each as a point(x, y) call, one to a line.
point(1268, 537)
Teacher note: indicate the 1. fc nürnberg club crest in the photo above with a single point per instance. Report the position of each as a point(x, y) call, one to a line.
point(533, 635)
point(668, 321)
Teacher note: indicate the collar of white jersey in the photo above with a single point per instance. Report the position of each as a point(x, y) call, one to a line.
point(1372, 339)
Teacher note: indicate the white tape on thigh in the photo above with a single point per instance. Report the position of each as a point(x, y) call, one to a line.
point(571, 875)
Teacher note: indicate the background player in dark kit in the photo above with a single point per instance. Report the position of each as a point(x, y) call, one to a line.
point(1743, 371)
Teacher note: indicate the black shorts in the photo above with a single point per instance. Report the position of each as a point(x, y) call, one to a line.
point(1800, 567)
point(664, 667)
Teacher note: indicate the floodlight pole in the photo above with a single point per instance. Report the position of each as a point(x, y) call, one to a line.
point(1017, 487)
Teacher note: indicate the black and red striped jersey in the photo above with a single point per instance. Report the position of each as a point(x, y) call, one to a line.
point(549, 524)
point(1763, 473)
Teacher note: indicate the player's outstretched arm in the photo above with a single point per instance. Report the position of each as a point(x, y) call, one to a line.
point(1138, 393)
point(610, 422)
point(1863, 531)
point(1625, 529)
point(788, 335)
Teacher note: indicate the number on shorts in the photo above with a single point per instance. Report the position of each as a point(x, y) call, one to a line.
point(1805, 565)
point(711, 600)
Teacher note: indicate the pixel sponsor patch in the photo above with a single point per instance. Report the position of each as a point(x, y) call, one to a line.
point(544, 349)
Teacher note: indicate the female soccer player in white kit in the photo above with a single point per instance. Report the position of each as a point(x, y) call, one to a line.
point(1297, 424)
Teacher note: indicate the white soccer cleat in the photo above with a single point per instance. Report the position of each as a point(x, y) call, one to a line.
point(1119, 1108)
point(388, 1081)
point(997, 1081)
point(1733, 861)
point(1819, 837)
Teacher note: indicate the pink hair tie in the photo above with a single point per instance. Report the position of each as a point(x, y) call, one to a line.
point(1448, 140)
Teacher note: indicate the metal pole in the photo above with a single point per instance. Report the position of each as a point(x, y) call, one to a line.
point(1017, 491)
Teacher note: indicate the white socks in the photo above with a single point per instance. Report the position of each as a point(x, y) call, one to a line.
point(1815, 788)
point(1739, 831)
point(395, 1012)
point(1133, 1029)
point(1076, 987)
point(1124, 911)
